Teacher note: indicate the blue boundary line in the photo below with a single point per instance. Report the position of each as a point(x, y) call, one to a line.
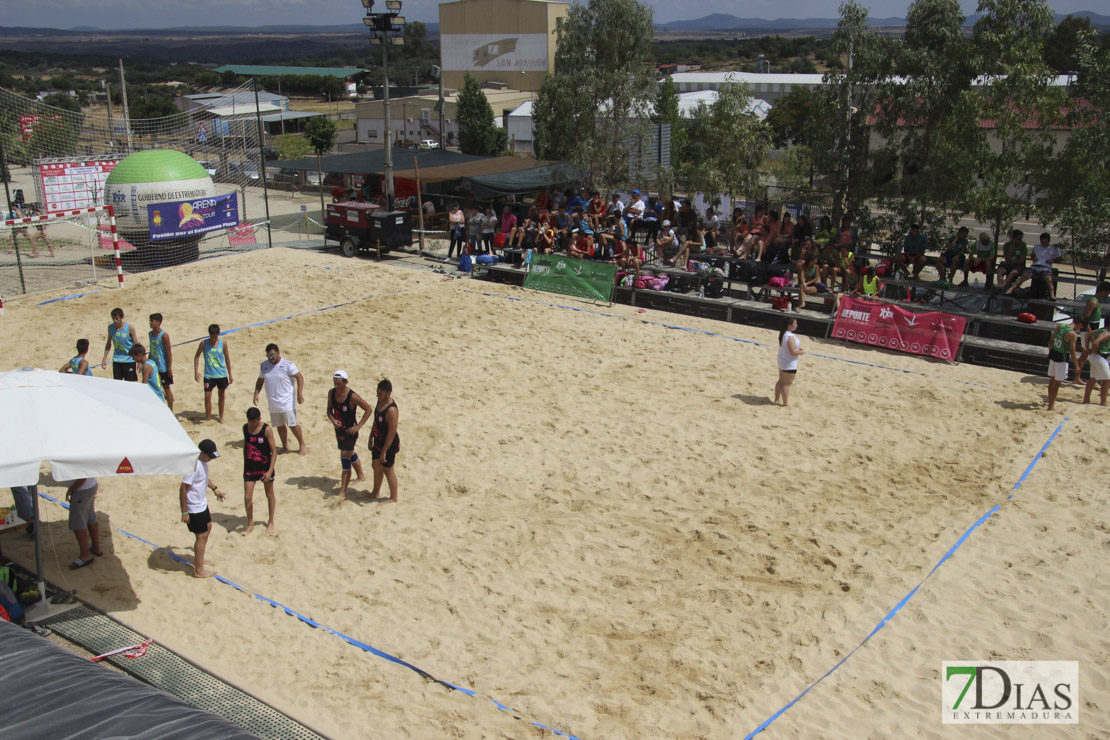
point(905, 599)
point(710, 334)
point(366, 647)
point(66, 298)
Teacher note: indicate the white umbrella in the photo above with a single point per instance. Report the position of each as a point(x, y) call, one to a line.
point(85, 427)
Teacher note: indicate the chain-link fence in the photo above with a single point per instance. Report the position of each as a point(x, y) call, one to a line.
point(202, 169)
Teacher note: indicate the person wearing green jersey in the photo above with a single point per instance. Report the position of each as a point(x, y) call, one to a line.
point(1061, 348)
point(1098, 350)
point(954, 255)
point(1013, 259)
point(217, 369)
point(1092, 310)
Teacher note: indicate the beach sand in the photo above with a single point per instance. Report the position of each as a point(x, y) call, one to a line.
point(603, 523)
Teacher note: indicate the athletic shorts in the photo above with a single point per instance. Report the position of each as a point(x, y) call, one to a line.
point(198, 522)
point(975, 264)
point(949, 259)
point(1009, 267)
point(345, 441)
point(1058, 370)
point(210, 383)
point(82, 513)
point(166, 378)
point(124, 371)
point(390, 455)
point(283, 418)
point(1100, 368)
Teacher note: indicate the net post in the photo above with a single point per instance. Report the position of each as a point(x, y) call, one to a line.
point(115, 242)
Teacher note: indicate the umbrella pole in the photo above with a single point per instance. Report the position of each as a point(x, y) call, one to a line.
point(38, 549)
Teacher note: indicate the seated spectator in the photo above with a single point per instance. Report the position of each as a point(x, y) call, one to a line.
point(1044, 254)
point(595, 211)
point(783, 240)
point(524, 231)
point(560, 221)
point(581, 245)
point(980, 257)
point(545, 238)
point(770, 233)
point(806, 249)
point(691, 246)
point(843, 267)
point(666, 243)
point(847, 235)
point(712, 229)
point(634, 211)
point(914, 245)
point(574, 201)
point(738, 231)
point(954, 255)
point(633, 257)
point(867, 286)
point(542, 201)
point(809, 282)
point(1013, 259)
point(687, 219)
point(615, 207)
point(803, 230)
point(653, 215)
point(508, 223)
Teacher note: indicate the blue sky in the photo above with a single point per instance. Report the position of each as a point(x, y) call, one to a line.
point(112, 14)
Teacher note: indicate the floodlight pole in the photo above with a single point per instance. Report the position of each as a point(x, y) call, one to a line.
point(388, 130)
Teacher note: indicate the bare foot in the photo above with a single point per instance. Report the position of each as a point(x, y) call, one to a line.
point(362, 478)
point(283, 450)
point(248, 530)
point(270, 528)
point(303, 451)
point(390, 500)
point(204, 573)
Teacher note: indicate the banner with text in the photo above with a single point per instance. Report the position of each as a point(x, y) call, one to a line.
point(490, 52)
point(571, 276)
point(189, 217)
point(932, 333)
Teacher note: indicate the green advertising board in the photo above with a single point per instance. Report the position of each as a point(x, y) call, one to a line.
point(571, 276)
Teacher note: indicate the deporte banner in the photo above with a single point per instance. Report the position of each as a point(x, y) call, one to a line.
point(933, 333)
point(189, 217)
point(571, 276)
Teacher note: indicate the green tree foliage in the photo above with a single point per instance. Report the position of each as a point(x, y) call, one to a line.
point(478, 133)
point(293, 146)
point(851, 97)
point(927, 121)
point(1061, 47)
point(63, 101)
point(598, 105)
point(1076, 190)
point(1014, 155)
point(228, 78)
point(667, 112)
point(727, 146)
point(320, 132)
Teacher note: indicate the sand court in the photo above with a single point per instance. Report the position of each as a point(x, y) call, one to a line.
point(603, 522)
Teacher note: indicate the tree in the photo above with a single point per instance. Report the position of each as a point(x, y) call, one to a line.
point(1021, 105)
point(851, 97)
point(320, 133)
point(63, 101)
point(731, 143)
point(597, 107)
point(1061, 47)
point(292, 146)
point(228, 78)
point(667, 112)
point(1076, 191)
point(478, 133)
point(928, 121)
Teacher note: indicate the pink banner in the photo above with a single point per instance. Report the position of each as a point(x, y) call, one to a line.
point(106, 240)
point(933, 333)
point(241, 236)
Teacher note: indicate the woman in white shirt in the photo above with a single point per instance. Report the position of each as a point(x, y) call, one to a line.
point(790, 349)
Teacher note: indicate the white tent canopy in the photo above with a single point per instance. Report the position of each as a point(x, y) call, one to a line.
point(84, 427)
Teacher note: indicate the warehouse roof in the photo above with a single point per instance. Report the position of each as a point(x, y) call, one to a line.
point(258, 70)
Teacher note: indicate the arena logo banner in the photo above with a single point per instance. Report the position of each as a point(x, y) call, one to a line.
point(179, 218)
point(477, 52)
point(933, 333)
point(571, 276)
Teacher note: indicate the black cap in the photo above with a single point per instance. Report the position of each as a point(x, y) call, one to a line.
point(208, 447)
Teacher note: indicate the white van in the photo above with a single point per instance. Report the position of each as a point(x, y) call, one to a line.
point(429, 144)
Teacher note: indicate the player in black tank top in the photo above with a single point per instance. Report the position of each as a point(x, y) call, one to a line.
point(341, 414)
point(385, 441)
point(259, 459)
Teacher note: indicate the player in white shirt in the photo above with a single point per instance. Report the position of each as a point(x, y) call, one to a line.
point(277, 374)
point(193, 496)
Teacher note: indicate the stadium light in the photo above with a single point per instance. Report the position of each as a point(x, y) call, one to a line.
point(387, 29)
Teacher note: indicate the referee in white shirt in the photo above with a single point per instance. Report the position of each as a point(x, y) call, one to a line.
point(278, 374)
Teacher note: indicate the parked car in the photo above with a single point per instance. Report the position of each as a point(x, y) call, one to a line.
point(237, 171)
point(429, 144)
point(269, 153)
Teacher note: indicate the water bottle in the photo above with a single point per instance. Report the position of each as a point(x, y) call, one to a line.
point(701, 291)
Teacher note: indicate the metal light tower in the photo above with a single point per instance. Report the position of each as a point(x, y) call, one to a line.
point(386, 29)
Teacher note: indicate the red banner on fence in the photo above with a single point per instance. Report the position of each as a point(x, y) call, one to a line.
point(933, 333)
point(241, 236)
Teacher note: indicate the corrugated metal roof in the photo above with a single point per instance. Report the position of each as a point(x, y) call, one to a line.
point(259, 70)
point(751, 78)
point(243, 110)
point(688, 102)
point(290, 115)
